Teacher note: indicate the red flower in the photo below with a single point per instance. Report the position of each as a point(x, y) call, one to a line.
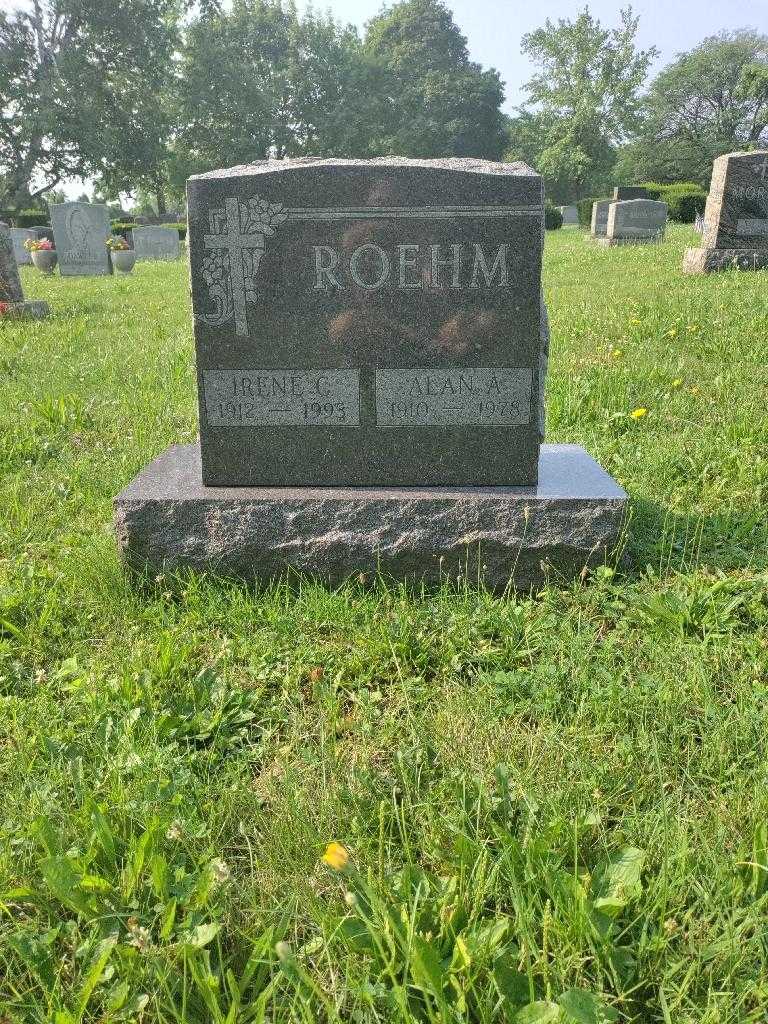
point(4, 307)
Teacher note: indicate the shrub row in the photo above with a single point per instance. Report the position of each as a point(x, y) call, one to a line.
point(122, 227)
point(684, 199)
point(25, 218)
point(553, 219)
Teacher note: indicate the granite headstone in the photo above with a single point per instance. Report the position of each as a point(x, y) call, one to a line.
point(634, 221)
point(599, 224)
point(736, 216)
point(154, 242)
point(371, 350)
point(19, 237)
point(624, 192)
point(570, 216)
point(365, 323)
point(80, 232)
point(11, 291)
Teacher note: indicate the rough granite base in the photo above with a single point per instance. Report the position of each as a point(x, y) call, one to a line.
point(708, 261)
point(166, 519)
point(34, 310)
point(609, 243)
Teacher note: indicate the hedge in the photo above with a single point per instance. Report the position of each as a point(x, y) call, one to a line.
point(584, 206)
point(553, 219)
point(684, 199)
point(122, 227)
point(25, 218)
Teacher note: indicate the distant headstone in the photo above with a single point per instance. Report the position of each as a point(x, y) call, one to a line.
point(80, 232)
point(371, 352)
point(624, 192)
point(42, 231)
point(635, 221)
point(698, 224)
point(736, 216)
point(156, 243)
point(599, 225)
point(570, 216)
point(19, 237)
point(11, 292)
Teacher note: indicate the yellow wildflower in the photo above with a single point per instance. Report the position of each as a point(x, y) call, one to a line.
point(695, 391)
point(336, 856)
point(677, 382)
point(672, 332)
point(617, 353)
point(638, 414)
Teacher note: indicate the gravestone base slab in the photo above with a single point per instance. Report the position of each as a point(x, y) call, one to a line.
point(709, 261)
point(33, 310)
point(165, 519)
point(634, 240)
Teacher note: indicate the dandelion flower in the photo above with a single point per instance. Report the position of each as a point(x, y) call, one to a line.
point(677, 382)
point(336, 856)
point(638, 414)
point(617, 353)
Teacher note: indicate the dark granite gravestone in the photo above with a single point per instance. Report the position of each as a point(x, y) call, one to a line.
point(635, 221)
point(80, 232)
point(19, 236)
point(11, 292)
point(371, 352)
point(155, 242)
point(736, 217)
point(624, 192)
point(599, 224)
point(365, 323)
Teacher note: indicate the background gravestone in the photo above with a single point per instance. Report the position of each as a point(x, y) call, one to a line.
point(371, 351)
point(635, 221)
point(362, 323)
point(19, 236)
point(11, 292)
point(156, 243)
point(624, 192)
point(80, 232)
point(570, 216)
point(599, 225)
point(736, 217)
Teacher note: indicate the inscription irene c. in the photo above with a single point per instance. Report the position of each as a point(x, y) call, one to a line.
point(481, 396)
point(409, 266)
point(282, 398)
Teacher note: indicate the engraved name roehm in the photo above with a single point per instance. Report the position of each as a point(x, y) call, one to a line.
point(237, 242)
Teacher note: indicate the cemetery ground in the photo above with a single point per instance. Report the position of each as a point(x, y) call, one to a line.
point(558, 799)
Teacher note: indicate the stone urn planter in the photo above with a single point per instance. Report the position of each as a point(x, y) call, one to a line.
point(123, 260)
point(44, 259)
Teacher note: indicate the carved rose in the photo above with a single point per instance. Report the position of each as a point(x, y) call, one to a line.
point(263, 217)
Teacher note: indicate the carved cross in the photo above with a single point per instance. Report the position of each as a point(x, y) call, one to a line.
point(234, 241)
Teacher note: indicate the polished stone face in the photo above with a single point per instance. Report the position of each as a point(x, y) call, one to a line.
point(80, 232)
point(623, 192)
point(369, 322)
point(638, 219)
point(737, 208)
point(155, 242)
point(599, 227)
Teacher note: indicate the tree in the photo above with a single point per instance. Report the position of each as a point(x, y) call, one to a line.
point(256, 81)
point(584, 100)
point(710, 101)
point(437, 102)
point(75, 78)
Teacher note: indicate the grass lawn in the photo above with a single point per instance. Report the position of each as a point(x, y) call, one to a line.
point(555, 806)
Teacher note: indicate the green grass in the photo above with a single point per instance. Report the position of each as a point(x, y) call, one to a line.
point(555, 805)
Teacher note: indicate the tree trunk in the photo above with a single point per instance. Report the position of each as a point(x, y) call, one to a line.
point(162, 209)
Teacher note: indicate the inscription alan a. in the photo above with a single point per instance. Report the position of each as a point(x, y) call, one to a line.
point(476, 396)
